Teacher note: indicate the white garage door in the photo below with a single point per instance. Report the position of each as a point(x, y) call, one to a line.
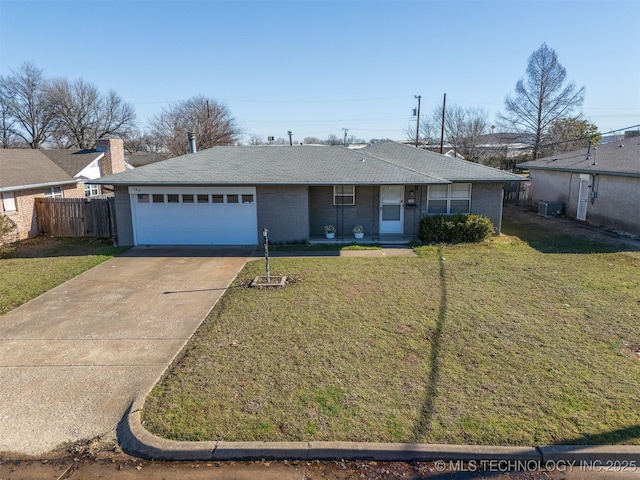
point(194, 215)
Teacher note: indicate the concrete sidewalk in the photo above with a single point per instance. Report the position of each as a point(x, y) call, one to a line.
point(73, 359)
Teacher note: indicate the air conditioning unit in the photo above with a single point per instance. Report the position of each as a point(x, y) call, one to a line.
point(549, 209)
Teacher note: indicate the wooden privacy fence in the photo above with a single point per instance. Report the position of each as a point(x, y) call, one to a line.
point(518, 192)
point(76, 217)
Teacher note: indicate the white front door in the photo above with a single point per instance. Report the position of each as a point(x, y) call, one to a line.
point(391, 209)
point(583, 197)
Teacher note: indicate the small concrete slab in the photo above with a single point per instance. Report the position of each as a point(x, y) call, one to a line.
point(272, 281)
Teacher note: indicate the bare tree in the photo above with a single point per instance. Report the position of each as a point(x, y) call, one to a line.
point(25, 105)
point(81, 114)
point(333, 139)
point(463, 128)
point(312, 141)
point(429, 130)
point(541, 98)
point(353, 140)
point(255, 140)
point(210, 120)
point(7, 125)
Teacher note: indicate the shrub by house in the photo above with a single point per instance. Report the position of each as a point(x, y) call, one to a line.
point(459, 228)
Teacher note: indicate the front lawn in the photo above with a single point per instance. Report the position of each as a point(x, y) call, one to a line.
point(529, 339)
point(32, 267)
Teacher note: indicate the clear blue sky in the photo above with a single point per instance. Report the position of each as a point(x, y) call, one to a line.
point(316, 67)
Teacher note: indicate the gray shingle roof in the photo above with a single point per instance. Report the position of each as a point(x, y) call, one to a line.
point(449, 168)
point(20, 167)
point(139, 159)
point(72, 161)
point(615, 158)
point(253, 165)
point(308, 165)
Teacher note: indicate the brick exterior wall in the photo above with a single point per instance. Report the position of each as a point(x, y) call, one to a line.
point(25, 214)
point(296, 213)
point(486, 199)
point(323, 212)
point(124, 220)
point(283, 210)
point(113, 160)
point(616, 206)
point(555, 187)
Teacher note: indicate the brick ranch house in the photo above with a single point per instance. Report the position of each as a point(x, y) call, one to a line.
point(600, 185)
point(27, 174)
point(227, 195)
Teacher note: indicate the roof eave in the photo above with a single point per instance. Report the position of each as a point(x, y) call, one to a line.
point(581, 170)
point(15, 188)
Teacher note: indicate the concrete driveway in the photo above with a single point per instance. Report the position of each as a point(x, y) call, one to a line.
point(73, 359)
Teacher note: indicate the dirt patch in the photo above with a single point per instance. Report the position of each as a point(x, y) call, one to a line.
point(525, 214)
point(40, 247)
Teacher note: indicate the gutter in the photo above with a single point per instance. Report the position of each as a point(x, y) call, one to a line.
point(17, 188)
point(582, 170)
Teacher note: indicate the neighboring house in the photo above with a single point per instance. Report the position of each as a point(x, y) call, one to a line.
point(600, 185)
point(507, 145)
point(26, 174)
point(228, 195)
point(140, 159)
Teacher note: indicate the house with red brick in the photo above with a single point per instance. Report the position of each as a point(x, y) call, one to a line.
point(27, 174)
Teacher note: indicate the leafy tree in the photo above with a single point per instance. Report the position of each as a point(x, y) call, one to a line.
point(210, 120)
point(567, 134)
point(541, 98)
point(25, 106)
point(81, 114)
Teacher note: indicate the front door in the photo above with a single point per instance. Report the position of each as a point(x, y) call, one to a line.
point(583, 197)
point(391, 209)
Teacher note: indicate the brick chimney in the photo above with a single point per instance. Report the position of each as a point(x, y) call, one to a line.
point(113, 160)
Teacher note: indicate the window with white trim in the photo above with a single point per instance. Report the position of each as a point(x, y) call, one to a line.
point(91, 190)
point(53, 192)
point(449, 199)
point(344, 194)
point(8, 202)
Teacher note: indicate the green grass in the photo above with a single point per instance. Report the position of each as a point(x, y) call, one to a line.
point(527, 339)
point(31, 267)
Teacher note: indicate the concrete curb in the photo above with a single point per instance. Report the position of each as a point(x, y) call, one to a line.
point(607, 455)
point(137, 441)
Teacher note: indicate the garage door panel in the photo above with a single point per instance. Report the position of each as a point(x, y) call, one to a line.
point(195, 223)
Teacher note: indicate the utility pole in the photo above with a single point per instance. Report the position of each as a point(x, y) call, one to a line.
point(290, 139)
point(444, 102)
point(418, 121)
point(344, 143)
